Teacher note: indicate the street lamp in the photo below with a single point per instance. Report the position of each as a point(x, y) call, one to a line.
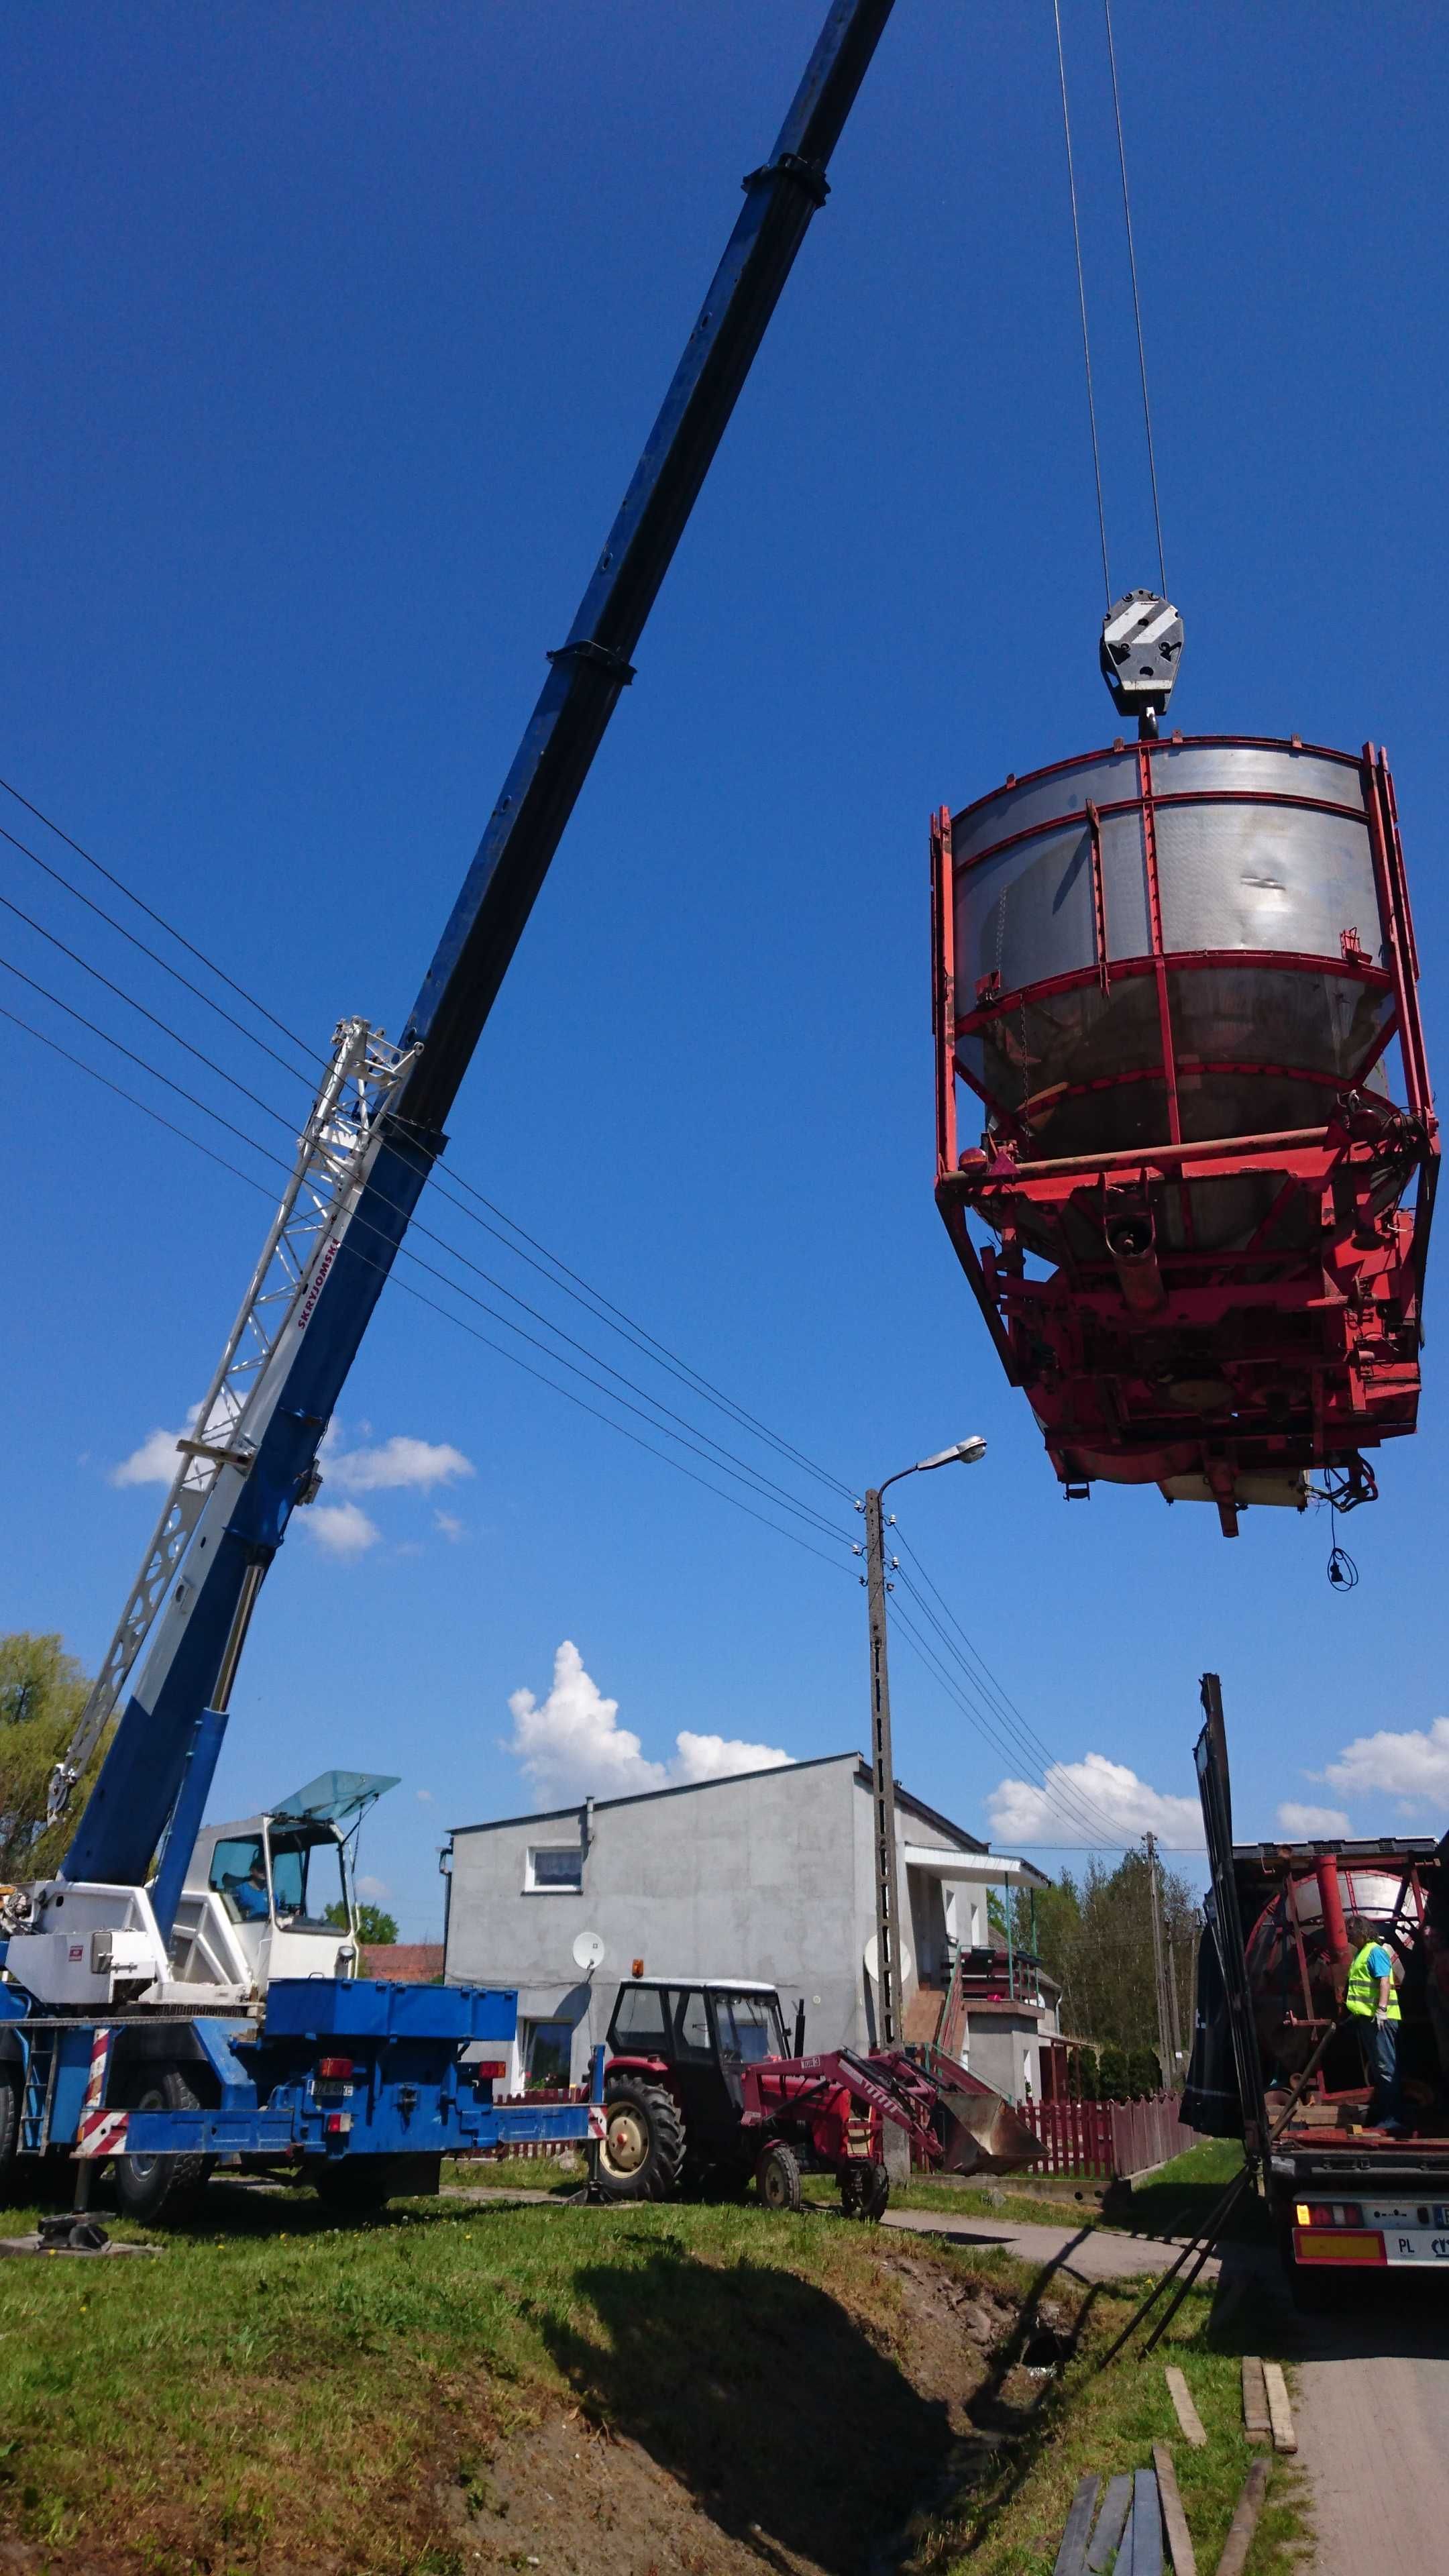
point(967, 1453)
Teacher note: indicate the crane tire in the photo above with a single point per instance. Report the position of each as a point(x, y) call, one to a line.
point(864, 2191)
point(641, 2153)
point(777, 2178)
point(160, 2190)
point(9, 2126)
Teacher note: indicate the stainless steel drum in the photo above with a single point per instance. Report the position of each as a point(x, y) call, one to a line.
point(1182, 938)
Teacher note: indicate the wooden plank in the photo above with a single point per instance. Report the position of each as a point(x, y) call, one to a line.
point(1245, 2520)
point(1146, 2558)
point(1187, 2414)
point(1257, 2423)
point(1109, 2524)
point(1071, 2558)
point(1280, 2413)
point(1179, 2539)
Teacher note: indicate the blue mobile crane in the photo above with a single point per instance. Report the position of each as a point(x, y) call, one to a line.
point(113, 2043)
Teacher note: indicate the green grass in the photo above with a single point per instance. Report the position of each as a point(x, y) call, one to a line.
point(556, 2175)
point(273, 2392)
point(1105, 2421)
point(1179, 2197)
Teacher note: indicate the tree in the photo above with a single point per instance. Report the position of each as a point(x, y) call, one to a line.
point(42, 1693)
point(375, 1930)
point(1095, 1940)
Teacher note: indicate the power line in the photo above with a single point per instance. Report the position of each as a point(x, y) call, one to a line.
point(133, 1005)
point(1020, 1742)
point(926, 1654)
point(1082, 301)
point(621, 1322)
point(745, 1477)
point(1073, 1800)
point(580, 1291)
point(159, 918)
point(156, 959)
point(1136, 299)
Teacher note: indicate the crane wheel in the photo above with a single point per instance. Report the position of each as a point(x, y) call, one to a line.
point(777, 2178)
point(9, 2126)
point(864, 2190)
point(641, 2153)
point(160, 2189)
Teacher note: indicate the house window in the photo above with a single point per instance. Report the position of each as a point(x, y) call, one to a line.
point(547, 2050)
point(555, 1869)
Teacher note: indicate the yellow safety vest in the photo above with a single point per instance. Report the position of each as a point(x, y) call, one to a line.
point(1363, 1990)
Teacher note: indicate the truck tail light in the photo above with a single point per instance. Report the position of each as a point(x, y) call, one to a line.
point(1329, 2213)
point(338, 2123)
point(490, 2070)
point(335, 2070)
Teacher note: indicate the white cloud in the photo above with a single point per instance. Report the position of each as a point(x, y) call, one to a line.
point(157, 1459)
point(372, 1888)
point(341, 1529)
point(449, 1524)
point(571, 1744)
point(1413, 1767)
point(398, 1463)
point(718, 1757)
point(424, 1797)
point(1106, 1793)
point(1311, 1824)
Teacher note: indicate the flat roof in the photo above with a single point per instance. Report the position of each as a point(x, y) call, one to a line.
point(905, 1798)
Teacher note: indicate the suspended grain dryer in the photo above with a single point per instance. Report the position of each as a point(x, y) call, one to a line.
point(1175, 976)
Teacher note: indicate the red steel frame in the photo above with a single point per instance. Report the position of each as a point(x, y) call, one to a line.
point(1320, 1349)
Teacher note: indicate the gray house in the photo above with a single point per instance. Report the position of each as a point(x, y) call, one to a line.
point(766, 1875)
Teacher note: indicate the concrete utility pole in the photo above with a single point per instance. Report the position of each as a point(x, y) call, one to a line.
point(1165, 2056)
point(883, 1775)
point(883, 1783)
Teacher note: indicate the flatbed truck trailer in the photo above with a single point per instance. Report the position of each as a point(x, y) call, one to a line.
point(355, 2085)
point(1277, 2059)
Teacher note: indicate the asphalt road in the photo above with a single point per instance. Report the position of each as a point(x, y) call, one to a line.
point(1371, 2406)
point(1092, 2253)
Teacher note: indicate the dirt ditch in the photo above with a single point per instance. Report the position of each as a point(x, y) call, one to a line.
point(728, 2418)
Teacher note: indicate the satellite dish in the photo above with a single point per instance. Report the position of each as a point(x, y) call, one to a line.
point(872, 1962)
point(588, 1951)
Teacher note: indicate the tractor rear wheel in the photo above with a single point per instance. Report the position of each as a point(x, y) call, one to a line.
point(864, 2190)
point(641, 2153)
point(777, 2178)
point(151, 2189)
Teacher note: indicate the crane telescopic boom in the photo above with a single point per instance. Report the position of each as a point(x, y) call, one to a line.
point(388, 1136)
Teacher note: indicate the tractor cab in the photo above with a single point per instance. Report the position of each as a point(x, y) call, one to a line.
point(690, 2039)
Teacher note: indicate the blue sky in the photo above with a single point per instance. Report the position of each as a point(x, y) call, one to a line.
point(332, 338)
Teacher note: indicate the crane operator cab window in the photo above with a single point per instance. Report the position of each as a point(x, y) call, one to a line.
point(307, 1880)
point(239, 1877)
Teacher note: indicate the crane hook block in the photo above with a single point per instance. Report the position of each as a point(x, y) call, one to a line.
point(1141, 647)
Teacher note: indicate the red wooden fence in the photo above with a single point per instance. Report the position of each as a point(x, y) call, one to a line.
point(1107, 2138)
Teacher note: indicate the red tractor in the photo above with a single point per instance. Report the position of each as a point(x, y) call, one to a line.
point(703, 2090)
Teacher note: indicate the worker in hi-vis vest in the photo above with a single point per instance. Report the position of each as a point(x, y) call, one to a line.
point(1373, 2006)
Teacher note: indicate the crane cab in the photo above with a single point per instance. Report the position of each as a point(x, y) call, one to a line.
point(268, 1896)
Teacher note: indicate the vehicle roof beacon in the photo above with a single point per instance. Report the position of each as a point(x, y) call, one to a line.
point(1141, 648)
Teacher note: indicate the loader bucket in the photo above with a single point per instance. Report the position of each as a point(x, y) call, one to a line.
point(978, 2129)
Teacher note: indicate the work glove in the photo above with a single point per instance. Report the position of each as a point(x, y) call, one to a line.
point(1381, 2020)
